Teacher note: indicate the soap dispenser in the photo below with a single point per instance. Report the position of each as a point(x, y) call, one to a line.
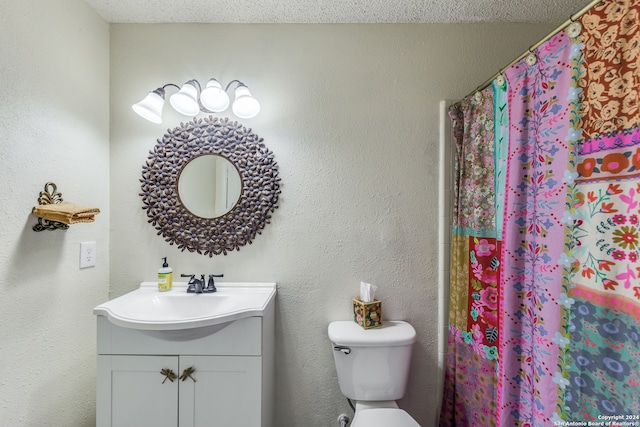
point(165, 277)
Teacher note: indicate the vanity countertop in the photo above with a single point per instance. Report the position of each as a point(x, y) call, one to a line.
point(148, 309)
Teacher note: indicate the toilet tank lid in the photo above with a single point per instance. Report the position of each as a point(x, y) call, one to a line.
point(395, 332)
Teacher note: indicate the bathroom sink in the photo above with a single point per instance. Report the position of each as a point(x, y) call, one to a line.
point(146, 308)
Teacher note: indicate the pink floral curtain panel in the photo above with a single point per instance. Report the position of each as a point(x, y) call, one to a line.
point(471, 377)
point(545, 277)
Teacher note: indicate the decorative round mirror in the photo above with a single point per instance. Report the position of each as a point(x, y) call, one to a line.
point(209, 186)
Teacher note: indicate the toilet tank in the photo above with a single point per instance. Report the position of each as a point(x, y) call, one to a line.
point(372, 364)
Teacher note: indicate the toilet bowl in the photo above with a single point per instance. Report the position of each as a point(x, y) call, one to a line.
point(381, 414)
point(373, 370)
point(383, 417)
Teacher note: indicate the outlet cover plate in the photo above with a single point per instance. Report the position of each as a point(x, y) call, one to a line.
point(87, 254)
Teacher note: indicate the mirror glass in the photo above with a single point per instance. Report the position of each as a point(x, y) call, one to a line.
point(209, 186)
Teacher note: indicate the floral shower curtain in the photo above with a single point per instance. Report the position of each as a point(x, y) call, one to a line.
point(545, 277)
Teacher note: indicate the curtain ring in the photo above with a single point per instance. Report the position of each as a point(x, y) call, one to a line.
point(531, 59)
point(500, 80)
point(574, 29)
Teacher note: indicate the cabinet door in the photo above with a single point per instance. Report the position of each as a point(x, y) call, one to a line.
point(226, 391)
point(132, 391)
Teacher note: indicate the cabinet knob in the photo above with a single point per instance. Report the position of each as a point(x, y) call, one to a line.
point(168, 375)
point(187, 374)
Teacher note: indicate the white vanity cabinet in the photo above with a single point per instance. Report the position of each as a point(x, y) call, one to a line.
point(227, 390)
point(221, 391)
point(129, 393)
point(230, 384)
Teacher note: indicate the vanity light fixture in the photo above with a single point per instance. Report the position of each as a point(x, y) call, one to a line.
point(191, 99)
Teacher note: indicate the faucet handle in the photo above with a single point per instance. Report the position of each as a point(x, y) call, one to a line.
point(191, 288)
point(211, 285)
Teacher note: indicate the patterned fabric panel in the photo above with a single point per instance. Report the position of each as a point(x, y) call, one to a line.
point(483, 289)
point(607, 202)
point(459, 278)
point(470, 386)
point(626, 138)
point(605, 363)
point(611, 160)
point(611, 82)
point(607, 234)
point(501, 152)
point(474, 197)
point(534, 234)
point(471, 372)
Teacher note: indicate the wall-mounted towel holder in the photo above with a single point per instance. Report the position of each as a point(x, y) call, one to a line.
point(55, 214)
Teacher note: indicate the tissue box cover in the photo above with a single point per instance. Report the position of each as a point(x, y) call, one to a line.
point(367, 314)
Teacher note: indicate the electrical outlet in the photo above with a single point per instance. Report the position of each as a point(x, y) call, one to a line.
point(87, 254)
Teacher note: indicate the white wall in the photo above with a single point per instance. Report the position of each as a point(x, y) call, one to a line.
point(54, 126)
point(351, 112)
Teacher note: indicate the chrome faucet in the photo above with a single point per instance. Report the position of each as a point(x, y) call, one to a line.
point(196, 286)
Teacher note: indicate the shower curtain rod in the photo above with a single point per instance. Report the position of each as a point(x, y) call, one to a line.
point(564, 25)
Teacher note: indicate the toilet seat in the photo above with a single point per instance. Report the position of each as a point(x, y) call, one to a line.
point(383, 417)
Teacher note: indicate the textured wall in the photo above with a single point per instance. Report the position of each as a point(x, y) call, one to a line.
point(351, 112)
point(334, 11)
point(54, 126)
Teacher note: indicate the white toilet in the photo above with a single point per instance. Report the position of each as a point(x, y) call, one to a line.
point(373, 369)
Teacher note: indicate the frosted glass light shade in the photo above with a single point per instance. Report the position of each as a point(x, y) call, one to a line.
point(151, 106)
point(185, 101)
point(213, 97)
point(245, 106)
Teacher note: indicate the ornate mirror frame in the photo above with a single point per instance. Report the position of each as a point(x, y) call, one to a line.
point(258, 198)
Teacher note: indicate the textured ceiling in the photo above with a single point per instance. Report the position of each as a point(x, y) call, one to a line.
point(336, 11)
